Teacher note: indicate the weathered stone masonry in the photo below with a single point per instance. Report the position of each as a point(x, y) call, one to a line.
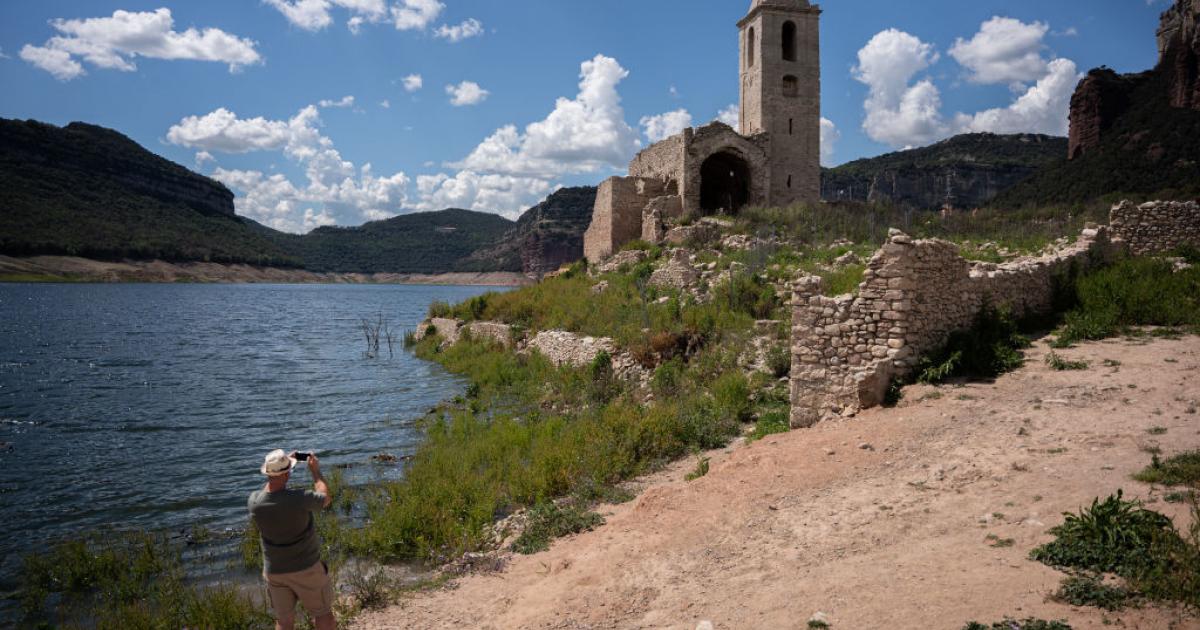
point(846, 350)
point(1158, 226)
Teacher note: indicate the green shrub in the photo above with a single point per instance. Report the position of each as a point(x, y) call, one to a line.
point(1091, 591)
point(1112, 536)
point(548, 521)
point(1133, 292)
point(990, 348)
point(1179, 470)
point(1012, 624)
point(700, 470)
point(1062, 365)
point(770, 423)
point(779, 360)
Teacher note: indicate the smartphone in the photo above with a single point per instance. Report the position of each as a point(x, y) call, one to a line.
point(302, 457)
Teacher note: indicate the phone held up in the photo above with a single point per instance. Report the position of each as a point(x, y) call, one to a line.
point(302, 457)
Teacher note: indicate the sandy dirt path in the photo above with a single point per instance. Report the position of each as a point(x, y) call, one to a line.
point(878, 521)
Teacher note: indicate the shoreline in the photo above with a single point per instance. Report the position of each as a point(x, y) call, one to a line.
point(72, 269)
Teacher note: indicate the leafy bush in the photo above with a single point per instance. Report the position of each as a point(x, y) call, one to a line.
point(1112, 536)
point(770, 423)
point(1012, 624)
point(1133, 292)
point(990, 348)
point(1091, 591)
point(548, 521)
point(699, 471)
point(1182, 469)
point(1062, 365)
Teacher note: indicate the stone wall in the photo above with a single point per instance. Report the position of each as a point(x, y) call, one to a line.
point(564, 348)
point(1156, 227)
point(617, 217)
point(846, 350)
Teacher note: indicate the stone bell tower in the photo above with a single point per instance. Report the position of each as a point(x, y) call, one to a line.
point(781, 93)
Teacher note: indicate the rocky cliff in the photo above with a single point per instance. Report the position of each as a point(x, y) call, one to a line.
point(1179, 53)
point(962, 172)
point(546, 236)
point(1132, 135)
point(1104, 97)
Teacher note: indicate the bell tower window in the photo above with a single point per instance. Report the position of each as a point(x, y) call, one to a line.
point(791, 86)
point(750, 45)
point(789, 41)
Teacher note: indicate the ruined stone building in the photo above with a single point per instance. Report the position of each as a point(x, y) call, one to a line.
point(772, 160)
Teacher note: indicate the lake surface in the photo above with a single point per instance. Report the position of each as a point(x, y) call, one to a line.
point(152, 406)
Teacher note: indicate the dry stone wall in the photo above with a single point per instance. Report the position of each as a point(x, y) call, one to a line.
point(617, 217)
point(1156, 227)
point(846, 350)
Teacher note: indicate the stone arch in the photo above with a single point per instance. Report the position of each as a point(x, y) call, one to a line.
point(725, 180)
point(789, 41)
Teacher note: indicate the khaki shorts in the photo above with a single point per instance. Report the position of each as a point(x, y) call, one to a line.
point(311, 587)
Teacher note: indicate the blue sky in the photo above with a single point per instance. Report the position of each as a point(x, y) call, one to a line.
point(243, 102)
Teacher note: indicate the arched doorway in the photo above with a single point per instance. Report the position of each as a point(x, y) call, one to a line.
point(724, 184)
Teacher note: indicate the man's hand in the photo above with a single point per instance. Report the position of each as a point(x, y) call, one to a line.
point(314, 465)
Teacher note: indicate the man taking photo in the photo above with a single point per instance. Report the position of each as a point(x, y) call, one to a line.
point(291, 546)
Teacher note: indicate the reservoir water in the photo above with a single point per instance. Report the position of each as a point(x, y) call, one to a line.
point(151, 406)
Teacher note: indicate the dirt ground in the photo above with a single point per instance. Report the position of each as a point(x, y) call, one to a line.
point(877, 521)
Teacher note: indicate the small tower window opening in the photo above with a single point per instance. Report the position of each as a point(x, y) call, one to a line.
point(789, 181)
point(791, 86)
point(790, 121)
point(789, 41)
point(750, 44)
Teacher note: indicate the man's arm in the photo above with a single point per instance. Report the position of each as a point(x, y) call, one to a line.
point(319, 485)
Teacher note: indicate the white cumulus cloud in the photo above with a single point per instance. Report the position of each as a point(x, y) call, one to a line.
point(663, 126)
point(466, 30)
point(415, 14)
point(1044, 108)
point(902, 113)
point(345, 101)
point(316, 15)
point(898, 113)
point(829, 138)
point(466, 93)
point(114, 43)
point(1005, 51)
point(731, 116)
point(335, 190)
point(413, 82)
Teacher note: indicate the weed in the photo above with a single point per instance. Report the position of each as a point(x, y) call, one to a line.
point(1182, 469)
point(1060, 364)
point(817, 624)
point(548, 521)
point(1112, 363)
point(998, 542)
point(779, 360)
point(1157, 430)
point(1180, 497)
point(1133, 292)
point(699, 471)
point(1013, 624)
point(370, 589)
point(770, 423)
point(1088, 590)
point(990, 348)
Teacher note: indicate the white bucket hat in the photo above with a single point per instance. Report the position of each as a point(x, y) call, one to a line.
point(277, 463)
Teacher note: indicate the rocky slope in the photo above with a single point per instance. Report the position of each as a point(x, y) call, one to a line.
point(1135, 134)
point(546, 236)
point(965, 171)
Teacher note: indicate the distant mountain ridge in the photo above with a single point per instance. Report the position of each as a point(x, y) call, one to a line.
point(966, 171)
point(87, 191)
point(546, 236)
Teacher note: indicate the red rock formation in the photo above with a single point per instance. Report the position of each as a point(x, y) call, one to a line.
point(1179, 52)
point(1103, 96)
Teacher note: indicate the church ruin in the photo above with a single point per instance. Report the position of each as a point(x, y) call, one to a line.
point(773, 160)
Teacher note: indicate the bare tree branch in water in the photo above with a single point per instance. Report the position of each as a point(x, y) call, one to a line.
point(373, 331)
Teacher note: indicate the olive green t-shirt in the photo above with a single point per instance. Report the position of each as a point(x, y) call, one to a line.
point(290, 541)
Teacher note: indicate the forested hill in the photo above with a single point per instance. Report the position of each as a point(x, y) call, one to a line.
point(423, 242)
point(965, 171)
point(83, 190)
point(87, 191)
